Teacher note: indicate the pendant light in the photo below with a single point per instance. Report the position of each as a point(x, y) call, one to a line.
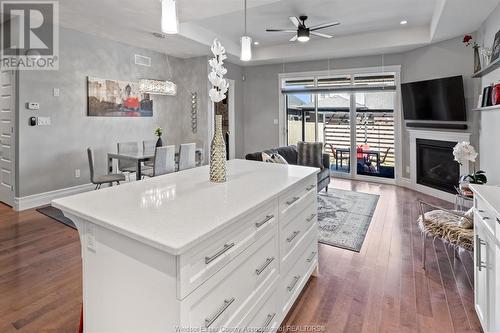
point(246, 42)
point(169, 21)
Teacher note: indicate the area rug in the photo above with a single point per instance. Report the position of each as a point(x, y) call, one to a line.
point(57, 215)
point(344, 217)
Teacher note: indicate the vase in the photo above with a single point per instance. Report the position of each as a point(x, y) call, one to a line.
point(218, 154)
point(477, 60)
point(159, 142)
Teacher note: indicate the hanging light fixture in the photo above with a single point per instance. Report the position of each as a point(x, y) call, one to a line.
point(157, 87)
point(246, 42)
point(169, 21)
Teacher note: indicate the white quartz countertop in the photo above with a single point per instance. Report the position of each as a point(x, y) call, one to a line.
point(490, 194)
point(174, 212)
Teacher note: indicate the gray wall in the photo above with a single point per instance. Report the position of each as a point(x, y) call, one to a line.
point(235, 72)
point(49, 155)
point(261, 89)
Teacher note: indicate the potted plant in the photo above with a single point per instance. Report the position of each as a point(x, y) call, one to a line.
point(464, 152)
point(158, 133)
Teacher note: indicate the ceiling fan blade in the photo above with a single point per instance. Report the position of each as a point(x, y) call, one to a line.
point(323, 26)
point(294, 38)
point(320, 34)
point(280, 30)
point(295, 20)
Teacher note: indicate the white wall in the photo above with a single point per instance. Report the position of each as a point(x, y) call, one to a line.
point(261, 89)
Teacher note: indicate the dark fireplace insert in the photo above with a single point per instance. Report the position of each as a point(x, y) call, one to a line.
point(436, 166)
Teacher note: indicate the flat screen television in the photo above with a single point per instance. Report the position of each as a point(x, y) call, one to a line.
point(439, 99)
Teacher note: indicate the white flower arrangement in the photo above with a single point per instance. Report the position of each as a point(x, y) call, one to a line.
point(464, 152)
point(216, 77)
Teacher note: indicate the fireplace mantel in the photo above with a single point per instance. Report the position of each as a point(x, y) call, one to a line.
point(452, 136)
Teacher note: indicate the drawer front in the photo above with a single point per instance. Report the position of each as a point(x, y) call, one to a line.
point(294, 200)
point(290, 258)
point(485, 214)
point(224, 299)
point(293, 281)
point(264, 316)
point(202, 262)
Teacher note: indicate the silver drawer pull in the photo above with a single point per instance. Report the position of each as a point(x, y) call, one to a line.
point(479, 262)
point(310, 187)
point(218, 254)
point(294, 283)
point(292, 236)
point(480, 210)
point(313, 254)
point(227, 303)
point(267, 263)
point(498, 220)
point(310, 218)
point(290, 202)
point(485, 218)
point(269, 319)
point(264, 221)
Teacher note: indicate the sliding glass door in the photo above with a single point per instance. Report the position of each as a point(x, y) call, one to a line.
point(352, 114)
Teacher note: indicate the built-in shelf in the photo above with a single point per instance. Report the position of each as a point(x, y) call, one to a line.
point(488, 108)
point(488, 69)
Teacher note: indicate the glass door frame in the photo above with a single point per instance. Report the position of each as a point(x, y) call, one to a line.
point(396, 70)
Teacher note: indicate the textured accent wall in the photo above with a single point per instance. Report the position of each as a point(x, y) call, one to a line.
point(49, 155)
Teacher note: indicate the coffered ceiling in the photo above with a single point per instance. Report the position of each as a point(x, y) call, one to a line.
point(367, 26)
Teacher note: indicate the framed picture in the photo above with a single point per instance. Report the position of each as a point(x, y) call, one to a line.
point(113, 98)
point(495, 49)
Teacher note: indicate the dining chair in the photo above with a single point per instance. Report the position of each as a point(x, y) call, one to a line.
point(127, 148)
point(148, 147)
point(187, 156)
point(105, 179)
point(163, 162)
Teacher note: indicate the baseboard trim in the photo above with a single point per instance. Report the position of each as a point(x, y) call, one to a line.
point(41, 199)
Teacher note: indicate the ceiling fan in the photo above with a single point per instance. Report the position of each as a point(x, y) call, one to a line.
point(303, 32)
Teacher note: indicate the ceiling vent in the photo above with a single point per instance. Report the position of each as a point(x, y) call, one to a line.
point(142, 60)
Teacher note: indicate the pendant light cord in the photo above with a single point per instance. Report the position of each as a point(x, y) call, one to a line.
point(245, 17)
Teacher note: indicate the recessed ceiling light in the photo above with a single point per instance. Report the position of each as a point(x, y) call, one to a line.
point(403, 22)
point(256, 43)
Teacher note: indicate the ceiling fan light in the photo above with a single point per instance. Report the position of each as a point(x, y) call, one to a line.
point(169, 20)
point(303, 35)
point(246, 48)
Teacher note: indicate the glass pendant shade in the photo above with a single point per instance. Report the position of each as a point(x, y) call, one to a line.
point(169, 21)
point(246, 48)
point(157, 87)
point(303, 35)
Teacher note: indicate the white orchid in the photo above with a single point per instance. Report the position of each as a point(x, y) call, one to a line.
point(216, 77)
point(464, 152)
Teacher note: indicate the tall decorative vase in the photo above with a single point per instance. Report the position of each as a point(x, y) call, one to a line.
point(477, 60)
point(218, 154)
point(159, 142)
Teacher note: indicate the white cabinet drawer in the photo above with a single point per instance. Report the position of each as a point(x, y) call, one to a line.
point(224, 298)
point(264, 315)
point(290, 258)
point(293, 281)
point(485, 214)
point(293, 201)
point(200, 263)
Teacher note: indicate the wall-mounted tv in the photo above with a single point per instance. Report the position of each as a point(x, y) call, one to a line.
point(439, 99)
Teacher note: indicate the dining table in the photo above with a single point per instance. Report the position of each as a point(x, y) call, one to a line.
point(367, 153)
point(140, 157)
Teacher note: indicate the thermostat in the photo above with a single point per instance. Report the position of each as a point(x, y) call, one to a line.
point(32, 106)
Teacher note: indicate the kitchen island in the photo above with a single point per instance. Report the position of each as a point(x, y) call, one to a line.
point(177, 253)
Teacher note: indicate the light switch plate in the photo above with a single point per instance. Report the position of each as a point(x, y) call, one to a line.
point(275, 121)
point(43, 121)
point(32, 106)
point(56, 92)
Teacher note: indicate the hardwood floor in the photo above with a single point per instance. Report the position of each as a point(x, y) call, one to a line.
point(381, 289)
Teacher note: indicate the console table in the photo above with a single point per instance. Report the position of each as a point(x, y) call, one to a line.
point(487, 256)
point(178, 253)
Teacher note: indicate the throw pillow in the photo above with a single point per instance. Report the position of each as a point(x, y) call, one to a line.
point(310, 154)
point(277, 158)
point(467, 222)
point(267, 158)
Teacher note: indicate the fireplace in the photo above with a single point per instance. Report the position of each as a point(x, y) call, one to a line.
point(436, 167)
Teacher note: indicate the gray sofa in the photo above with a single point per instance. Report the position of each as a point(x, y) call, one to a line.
point(290, 154)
